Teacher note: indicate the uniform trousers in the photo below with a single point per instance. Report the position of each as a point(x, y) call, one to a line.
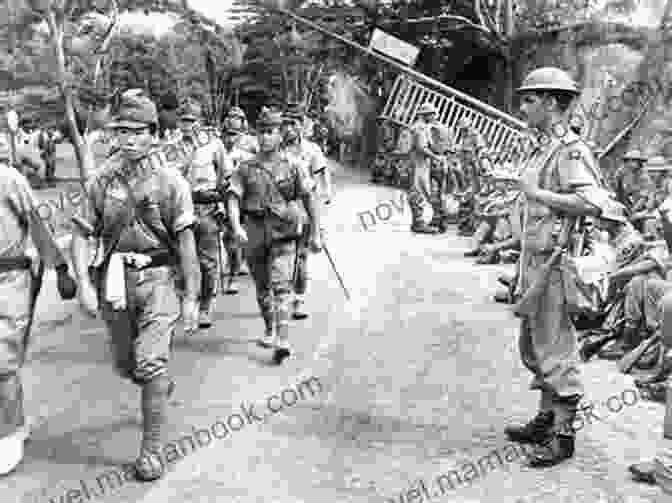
point(141, 334)
point(206, 234)
point(271, 266)
point(16, 311)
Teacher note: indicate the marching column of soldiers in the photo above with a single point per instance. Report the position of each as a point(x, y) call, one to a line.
point(162, 227)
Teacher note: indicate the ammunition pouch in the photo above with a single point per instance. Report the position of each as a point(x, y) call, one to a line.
point(286, 222)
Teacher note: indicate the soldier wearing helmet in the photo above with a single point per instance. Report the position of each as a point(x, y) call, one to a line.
point(311, 156)
point(203, 164)
point(553, 181)
point(142, 211)
point(632, 182)
point(268, 192)
point(421, 157)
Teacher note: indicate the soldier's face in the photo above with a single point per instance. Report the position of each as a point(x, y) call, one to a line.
point(133, 143)
point(533, 109)
point(187, 126)
point(291, 130)
point(269, 138)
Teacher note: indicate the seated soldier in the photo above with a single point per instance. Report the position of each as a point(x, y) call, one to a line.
point(635, 266)
point(494, 225)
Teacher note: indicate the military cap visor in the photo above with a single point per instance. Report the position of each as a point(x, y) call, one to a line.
point(134, 112)
point(120, 122)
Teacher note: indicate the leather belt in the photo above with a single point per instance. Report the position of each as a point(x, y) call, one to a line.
point(14, 263)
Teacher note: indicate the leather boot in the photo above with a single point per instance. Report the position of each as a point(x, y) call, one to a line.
point(555, 450)
point(205, 314)
point(472, 253)
point(535, 431)
point(298, 311)
point(149, 465)
point(283, 349)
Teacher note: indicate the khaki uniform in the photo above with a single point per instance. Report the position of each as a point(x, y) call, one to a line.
point(311, 156)
point(17, 295)
point(420, 192)
point(141, 334)
point(548, 343)
point(271, 261)
point(204, 167)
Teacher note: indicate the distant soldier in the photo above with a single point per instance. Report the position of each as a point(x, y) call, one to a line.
point(311, 155)
point(421, 157)
point(21, 271)
point(203, 166)
point(631, 180)
point(235, 157)
point(237, 120)
point(268, 191)
point(553, 182)
point(143, 212)
point(47, 145)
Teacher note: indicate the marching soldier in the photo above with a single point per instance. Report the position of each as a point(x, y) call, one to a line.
point(203, 167)
point(21, 271)
point(268, 191)
point(236, 120)
point(421, 157)
point(143, 212)
point(308, 153)
point(235, 156)
point(561, 169)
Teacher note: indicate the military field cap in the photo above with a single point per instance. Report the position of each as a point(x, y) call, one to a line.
point(190, 111)
point(426, 109)
point(269, 118)
point(294, 111)
point(613, 211)
point(635, 155)
point(134, 110)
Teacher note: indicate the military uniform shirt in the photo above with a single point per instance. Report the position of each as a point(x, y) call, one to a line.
point(162, 194)
point(16, 201)
point(308, 153)
point(249, 182)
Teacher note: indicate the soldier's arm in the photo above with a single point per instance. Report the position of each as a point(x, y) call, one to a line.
point(219, 160)
point(235, 193)
point(575, 178)
point(85, 226)
point(306, 190)
point(183, 219)
point(321, 168)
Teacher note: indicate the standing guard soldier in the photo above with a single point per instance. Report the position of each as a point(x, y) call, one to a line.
point(234, 252)
point(420, 158)
point(268, 191)
point(559, 172)
point(308, 153)
point(143, 211)
point(21, 271)
point(204, 168)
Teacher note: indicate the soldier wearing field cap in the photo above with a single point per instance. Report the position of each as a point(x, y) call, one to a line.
point(236, 120)
point(234, 158)
point(204, 165)
point(269, 191)
point(306, 152)
point(421, 157)
point(142, 211)
point(553, 182)
point(26, 247)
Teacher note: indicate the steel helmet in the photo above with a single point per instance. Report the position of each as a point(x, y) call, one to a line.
point(549, 78)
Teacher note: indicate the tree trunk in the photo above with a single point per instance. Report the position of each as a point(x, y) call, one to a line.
point(82, 151)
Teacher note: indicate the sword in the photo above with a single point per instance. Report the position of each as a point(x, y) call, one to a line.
point(333, 266)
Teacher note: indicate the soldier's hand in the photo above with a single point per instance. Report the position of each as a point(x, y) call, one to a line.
point(239, 234)
point(88, 299)
point(315, 243)
point(190, 315)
